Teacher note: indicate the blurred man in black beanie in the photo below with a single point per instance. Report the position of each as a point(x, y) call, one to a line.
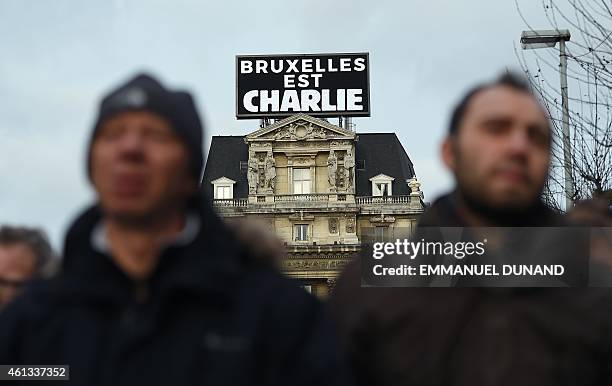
point(154, 289)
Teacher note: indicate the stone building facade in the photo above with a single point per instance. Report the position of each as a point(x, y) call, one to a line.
point(318, 186)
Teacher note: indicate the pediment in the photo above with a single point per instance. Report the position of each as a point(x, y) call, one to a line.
point(300, 127)
point(382, 178)
point(223, 181)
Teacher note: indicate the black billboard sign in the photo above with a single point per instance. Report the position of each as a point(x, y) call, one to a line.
point(321, 85)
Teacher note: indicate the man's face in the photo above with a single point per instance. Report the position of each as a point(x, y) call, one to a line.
point(17, 265)
point(501, 152)
point(140, 167)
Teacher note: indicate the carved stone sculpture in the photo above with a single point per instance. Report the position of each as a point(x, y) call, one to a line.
point(414, 185)
point(270, 181)
point(350, 225)
point(286, 132)
point(333, 225)
point(349, 166)
point(332, 167)
point(253, 174)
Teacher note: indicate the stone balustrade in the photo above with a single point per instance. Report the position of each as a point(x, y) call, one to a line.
point(369, 200)
point(231, 203)
point(314, 197)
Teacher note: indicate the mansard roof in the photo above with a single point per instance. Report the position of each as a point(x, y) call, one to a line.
point(381, 153)
point(224, 157)
point(376, 153)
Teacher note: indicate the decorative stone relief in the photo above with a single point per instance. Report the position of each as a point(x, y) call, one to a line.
point(337, 143)
point(333, 225)
point(382, 219)
point(331, 284)
point(288, 132)
point(350, 225)
point(301, 130)
point(314, 264)
point(314, 133)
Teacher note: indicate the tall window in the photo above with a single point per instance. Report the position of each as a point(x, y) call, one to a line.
point(223, 192)
point(300, 232)
point(381, 233)
point(301, 180)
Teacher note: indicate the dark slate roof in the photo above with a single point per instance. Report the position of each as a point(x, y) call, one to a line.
point(380, 153)
point(223, 160)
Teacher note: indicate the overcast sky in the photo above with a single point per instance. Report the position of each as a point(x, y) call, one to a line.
point(58, 57)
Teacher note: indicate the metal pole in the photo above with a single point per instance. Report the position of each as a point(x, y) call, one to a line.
point(567, 150)
point(348, 123)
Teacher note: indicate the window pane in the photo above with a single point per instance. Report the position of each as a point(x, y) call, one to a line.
point(223, 192)
point(382, 189)
point(380, 233)
point(300, 232)
point(377, 191)
point(301, 174)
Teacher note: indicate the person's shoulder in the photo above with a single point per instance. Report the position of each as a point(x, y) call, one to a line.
point(271, 285)
point(277, 301)
point(35, 302)
point(23, 318)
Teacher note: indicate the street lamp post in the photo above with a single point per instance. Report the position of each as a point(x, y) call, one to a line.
point(549, 38)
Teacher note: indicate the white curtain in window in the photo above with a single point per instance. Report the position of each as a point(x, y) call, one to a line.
point(223, 192)
point(300, 232)
point(301, 181)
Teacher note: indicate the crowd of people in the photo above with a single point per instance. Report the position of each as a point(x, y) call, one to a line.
point(154, 288)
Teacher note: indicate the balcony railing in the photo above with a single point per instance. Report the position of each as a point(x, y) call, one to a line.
point(232, 202)
point(301, 197)
point(314, 197)
point(373, 200)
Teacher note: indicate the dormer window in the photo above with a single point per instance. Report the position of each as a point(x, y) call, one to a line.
point(382, 189)
point(223, 188)
point(382, 185)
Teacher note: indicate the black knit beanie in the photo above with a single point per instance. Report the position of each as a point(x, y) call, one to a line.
point(144, 92)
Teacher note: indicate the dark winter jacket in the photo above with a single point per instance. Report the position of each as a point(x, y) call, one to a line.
point(209, 315)
point(474, 336)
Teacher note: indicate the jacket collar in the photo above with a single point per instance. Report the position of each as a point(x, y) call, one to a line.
point(444, 212)
point(209, 265)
